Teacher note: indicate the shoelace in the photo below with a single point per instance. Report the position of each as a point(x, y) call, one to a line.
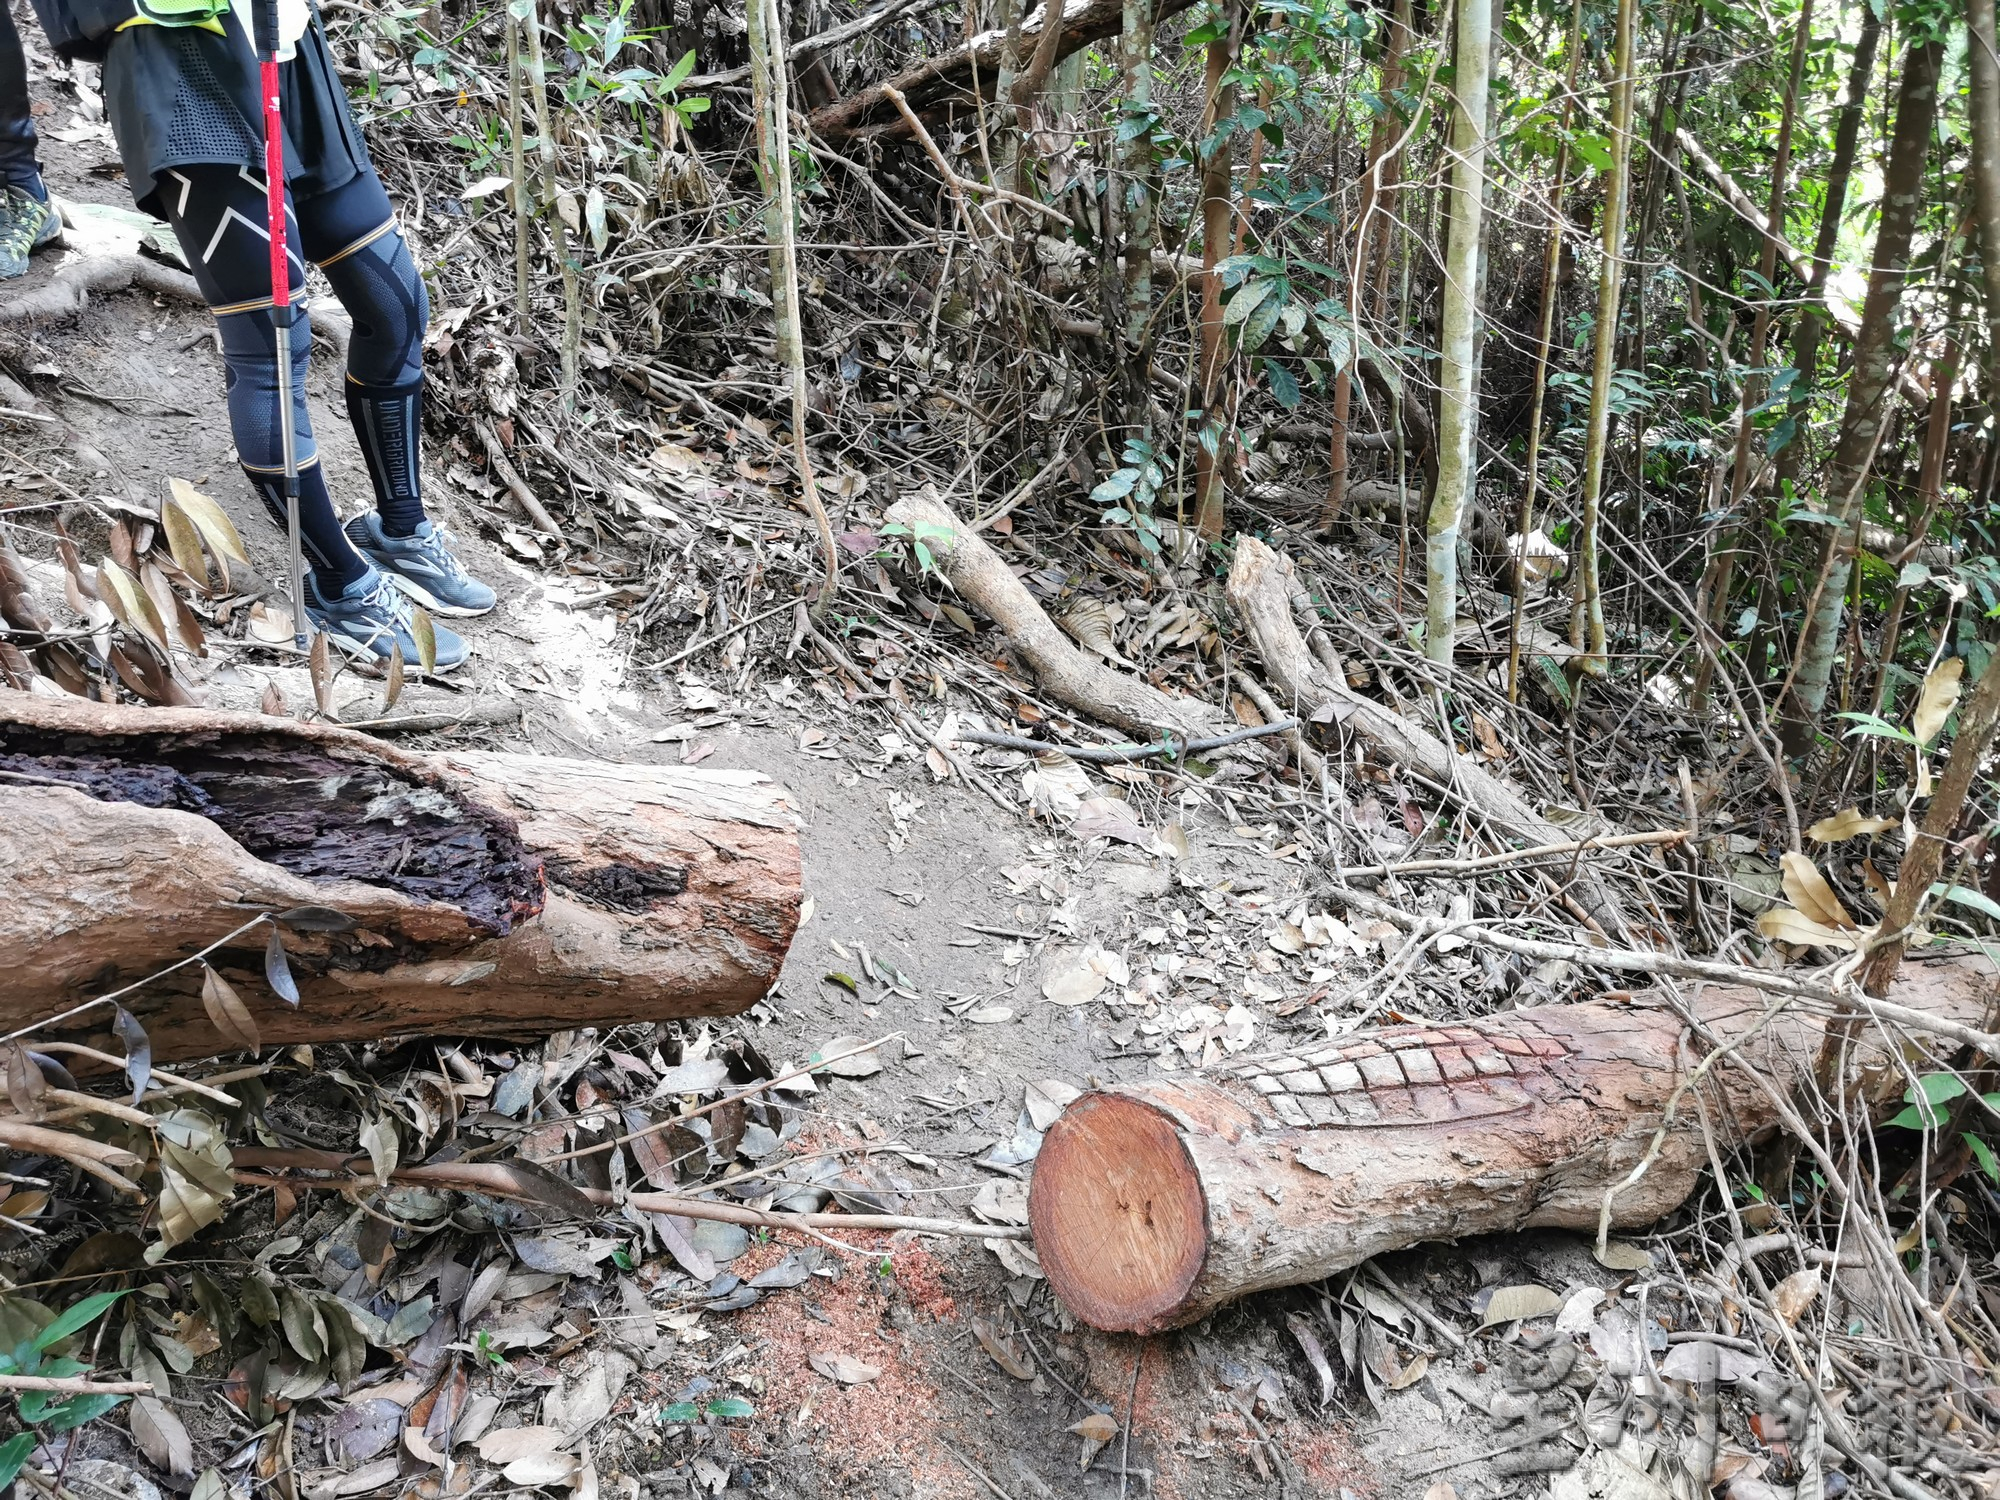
point(438, 544)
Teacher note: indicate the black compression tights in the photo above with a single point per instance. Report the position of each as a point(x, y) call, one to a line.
point(218, 214)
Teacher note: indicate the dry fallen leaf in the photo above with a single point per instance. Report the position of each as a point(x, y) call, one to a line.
point(510, 1443)
point(1810, 893)
point(1511, 1303)
point(843, 1368)
point(1796, 1293)
point(227, 1011)
point(1848, 823)
point(1077, 976)
point(1096, 1430)
point(1004, 1354)
point(1786, 924)
point(1938, 698)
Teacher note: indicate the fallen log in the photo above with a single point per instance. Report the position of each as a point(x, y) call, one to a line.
point(1154, 1203)
point(982, 577)
point(1260, 587)
point(939, 81)
point(465, 892)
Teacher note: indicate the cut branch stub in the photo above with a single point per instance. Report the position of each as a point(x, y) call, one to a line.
point(1154, 1203)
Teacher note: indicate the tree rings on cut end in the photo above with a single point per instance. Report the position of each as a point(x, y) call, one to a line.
point(1118, 1213)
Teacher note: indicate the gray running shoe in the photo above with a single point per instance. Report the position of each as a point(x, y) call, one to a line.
point(422, 565)
point(371, 617)
point(26, 224)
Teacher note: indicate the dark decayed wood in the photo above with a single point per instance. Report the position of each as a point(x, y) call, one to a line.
point(483, 892)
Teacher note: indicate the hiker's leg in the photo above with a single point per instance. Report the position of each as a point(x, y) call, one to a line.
point(351, 235)
point(18, 167)
point(218, 215)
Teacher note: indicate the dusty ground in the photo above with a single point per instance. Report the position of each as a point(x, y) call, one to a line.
point(941, 915)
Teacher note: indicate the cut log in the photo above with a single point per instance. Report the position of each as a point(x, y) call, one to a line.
point(477, 892)
point(1261, 585)
point(937, 82)
point(1154, 1203)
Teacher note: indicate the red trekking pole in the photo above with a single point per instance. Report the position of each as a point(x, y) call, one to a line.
point(268, 42)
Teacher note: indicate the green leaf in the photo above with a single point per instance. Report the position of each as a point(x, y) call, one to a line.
point(75, 1318)
point(1937, 1088)
point(1284, 389)
point(1117, 487)
point(1257, 327)
point(679, 71)
point(1875, 726)
point(1983, 1154)
point(1978, 901)
point(14, 1456)
point(731, 1406)
point(1593, 149)
point(680, 1411)
point(1246, 301)
point(78, 1410)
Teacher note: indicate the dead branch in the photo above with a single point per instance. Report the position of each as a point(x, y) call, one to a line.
point(977, 572)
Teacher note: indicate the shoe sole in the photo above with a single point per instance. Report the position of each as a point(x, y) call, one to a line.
point(362, 651)
point(429, 600)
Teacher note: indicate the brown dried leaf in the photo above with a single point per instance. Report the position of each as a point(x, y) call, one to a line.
point(1848, 823)
point(1796, 1293)
point(426, 637)
point(228, 1013)
point(183, 541)
point(1938, 698)
point(162, 1437)
point(1004, 1355)
point(1512, 1303)
point(320, 664)
point(273, 701)
point(128, 602)
point(1811, 894)
point(1787, 924)
point(842, 1368)
point(211, 521)
point(25, 1083)
point(511, 1444)
point(394, 688)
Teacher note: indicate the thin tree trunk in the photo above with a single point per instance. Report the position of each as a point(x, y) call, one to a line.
point(1595, 660)
point(1814, 320)
point(760, 41)
point(1924, 862)
point(1458, 412)
point(517, 152)
point(572, 334)
point(1868, 389)
point(1006, 120)
point(1373, 224)
point(1724, 565)
point(1930, 480)
point(1983, 112)
point(1551, 269)
point(1217, 159)
point(1135, 165)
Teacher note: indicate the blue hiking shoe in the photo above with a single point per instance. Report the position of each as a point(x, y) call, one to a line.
point(26, 224)
point(422, 565)
point(371, 618)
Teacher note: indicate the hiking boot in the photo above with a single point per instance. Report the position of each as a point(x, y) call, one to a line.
point(422, 565)
point(371, 618)
point(26, 224)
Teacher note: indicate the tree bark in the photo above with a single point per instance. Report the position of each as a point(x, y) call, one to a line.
point(472, 892)
point(1814, 320)
point(1262, 585)
point(1595, 661)
point(1924, 862)
point(1154, 1203)
point(1137, 212)
point(1545, 336)
point(1867, 390)
point(1217, 159)
point(1983, 115)
point(1723, 569)
point(983, 579)
point(1458, 404)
